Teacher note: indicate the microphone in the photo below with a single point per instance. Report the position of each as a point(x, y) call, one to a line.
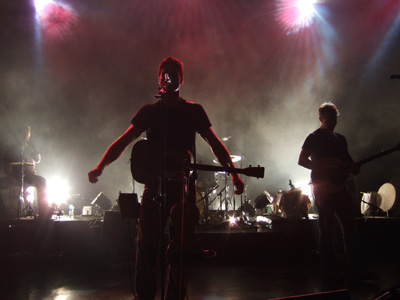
point(164, 88)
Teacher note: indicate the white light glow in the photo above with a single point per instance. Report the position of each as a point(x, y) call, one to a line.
point(306, 8)
point(305, 187)
point(295, 15)
point(30, 194)
point(58, 191)
point(261, 219)
point(232, 220)
point(41, 4)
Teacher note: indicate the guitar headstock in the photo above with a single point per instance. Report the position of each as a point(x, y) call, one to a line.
point(257, 172)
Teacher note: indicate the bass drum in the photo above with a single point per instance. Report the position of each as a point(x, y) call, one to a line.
point(387, 198)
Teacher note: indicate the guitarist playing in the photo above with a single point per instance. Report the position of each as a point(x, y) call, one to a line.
point(325, 153)
point(177, 128)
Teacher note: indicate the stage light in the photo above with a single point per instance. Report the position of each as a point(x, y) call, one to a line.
point(58, 191)
point(54, 19)
point(306, 8)
point(305, 187)
point(232, 221)
point(40, 5)
point(295, 15)
point(30, 194)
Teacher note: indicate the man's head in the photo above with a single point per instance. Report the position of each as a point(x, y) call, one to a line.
point(174, 68)
point(328, 113)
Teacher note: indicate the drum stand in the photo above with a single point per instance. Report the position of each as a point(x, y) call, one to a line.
point(27, 208)
point(226, 199)
point(207, 203)
point(373, 212)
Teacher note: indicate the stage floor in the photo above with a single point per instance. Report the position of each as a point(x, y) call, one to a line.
point(91, 258)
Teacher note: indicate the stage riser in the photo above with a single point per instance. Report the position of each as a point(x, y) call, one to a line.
point(334, 295)
point(97, 239)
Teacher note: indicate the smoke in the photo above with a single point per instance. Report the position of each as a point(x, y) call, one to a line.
point(258, 85)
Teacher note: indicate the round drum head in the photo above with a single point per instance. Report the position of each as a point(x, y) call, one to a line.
point(387, 193)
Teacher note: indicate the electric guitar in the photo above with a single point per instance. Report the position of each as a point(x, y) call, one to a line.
point(332, 174)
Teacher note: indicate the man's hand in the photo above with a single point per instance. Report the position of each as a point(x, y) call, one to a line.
point(238, 183)
point(94, 174)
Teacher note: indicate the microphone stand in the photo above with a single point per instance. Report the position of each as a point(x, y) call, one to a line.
point(162, 186)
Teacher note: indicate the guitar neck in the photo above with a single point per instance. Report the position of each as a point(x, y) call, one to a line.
point(214, 168)
point(249, 171)
point(376, 156)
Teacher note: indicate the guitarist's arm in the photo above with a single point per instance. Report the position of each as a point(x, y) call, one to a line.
point(304, 159)
point(114, 151)
point(329, 165)
point(223, 156)
point(324, 166)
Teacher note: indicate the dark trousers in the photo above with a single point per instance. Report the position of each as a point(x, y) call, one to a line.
point(331, 207)
point(152, 222)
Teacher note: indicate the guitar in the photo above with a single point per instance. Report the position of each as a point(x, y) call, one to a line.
point(333, 174)
point(146, 163)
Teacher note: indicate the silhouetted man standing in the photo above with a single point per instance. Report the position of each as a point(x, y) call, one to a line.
point(173, 123)
point(325, 153)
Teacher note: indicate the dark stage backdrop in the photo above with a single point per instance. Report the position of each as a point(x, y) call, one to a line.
point(79, 71)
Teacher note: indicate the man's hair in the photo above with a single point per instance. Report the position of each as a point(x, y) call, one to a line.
point(171, 63)
point(327, 108)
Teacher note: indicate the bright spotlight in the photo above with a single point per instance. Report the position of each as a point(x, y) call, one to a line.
point(305, 187)
point(232, 221)
point(58, 191)
point(295, 15)
point(306, 8)
point(41, 4)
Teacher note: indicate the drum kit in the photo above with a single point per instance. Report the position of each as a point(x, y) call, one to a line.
point(215, 198)
point(381, 201)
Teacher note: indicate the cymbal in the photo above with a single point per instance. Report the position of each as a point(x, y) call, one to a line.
point(235, 158)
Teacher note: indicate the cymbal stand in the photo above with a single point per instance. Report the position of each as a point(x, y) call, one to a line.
point(373, 206)
point(223, 200)
point(206, 198)
point(21, 198)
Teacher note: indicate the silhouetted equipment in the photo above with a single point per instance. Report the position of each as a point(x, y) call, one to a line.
point(262, 200)
point(294, 204)
point(384, 200)
point(102, 201)
point(118, 237)
point(248, 209)
point(129, 205)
